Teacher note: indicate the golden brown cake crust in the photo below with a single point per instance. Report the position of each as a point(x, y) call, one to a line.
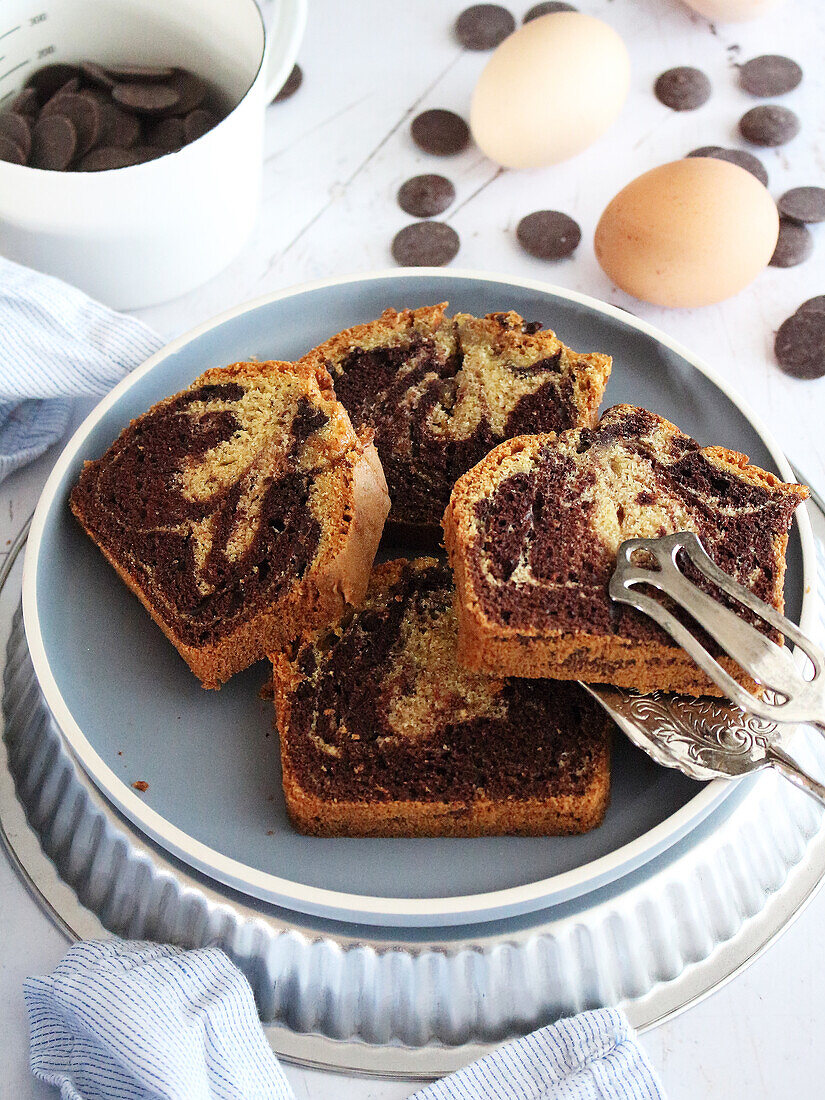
point(383, 748)
point(643, 658)
point(440, 391)
point(315, 816)
point(243, 416)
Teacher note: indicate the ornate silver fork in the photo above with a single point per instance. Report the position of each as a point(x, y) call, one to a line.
point(709, 738)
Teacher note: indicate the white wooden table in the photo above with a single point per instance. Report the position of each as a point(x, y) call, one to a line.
point(336, 154)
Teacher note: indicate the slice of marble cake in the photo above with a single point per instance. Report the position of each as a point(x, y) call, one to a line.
point(383, 733)
point(439, 392)
point(533, 530)
point(241, 512)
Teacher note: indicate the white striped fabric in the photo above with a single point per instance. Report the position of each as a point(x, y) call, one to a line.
point(593, 1056)
point(56, 343)
point(137, 1021)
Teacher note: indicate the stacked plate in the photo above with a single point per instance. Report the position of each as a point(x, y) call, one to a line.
point(384, 955)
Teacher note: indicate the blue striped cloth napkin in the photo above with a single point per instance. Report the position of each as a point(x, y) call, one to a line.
point(56, 344)
point(121, 1020)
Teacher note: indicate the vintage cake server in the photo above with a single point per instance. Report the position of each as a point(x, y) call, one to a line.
point(712, 738)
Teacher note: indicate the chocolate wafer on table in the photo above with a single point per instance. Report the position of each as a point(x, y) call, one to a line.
point(443, 133)
point(484, 26)
point(426, 196)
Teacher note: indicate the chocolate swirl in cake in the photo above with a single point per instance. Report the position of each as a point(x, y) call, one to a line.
point(533, 533)
point(440, 392)
point(213, 538)
point(382, 711)
point(240, 512)
point(549, 534)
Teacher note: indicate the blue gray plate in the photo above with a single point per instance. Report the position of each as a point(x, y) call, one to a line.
point(131, 710)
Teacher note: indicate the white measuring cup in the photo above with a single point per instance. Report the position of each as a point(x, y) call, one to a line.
point(143, 234)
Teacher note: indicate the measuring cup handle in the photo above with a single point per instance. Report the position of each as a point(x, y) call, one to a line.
point(285, 21)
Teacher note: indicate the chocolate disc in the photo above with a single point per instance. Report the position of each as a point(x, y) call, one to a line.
point(426, 196)
point(167, 134)
point(708, 151)
point(108, 157)
point(803, 204)
point(197, 123)
point(142, 153)
point(813, 305)
point(425, 244)
point(549, 7)
point(85, 115)
point(745, 160)
point(118, 128)
point(769, 125)
point(107, 116)
point(97, 74)
point(69, 88)
point(291, 85)
point(683, 88)
point(483, 26)
point(127, 74)
point(769, 75)
point(26, 102)
point(147, 99)
point(190, 88)
point(443, 133)
point(53, 143)
point(10, 152)
point(16, 129)
point(548, 235)
point(794, 246)
point(50, 79)
point(800, 344)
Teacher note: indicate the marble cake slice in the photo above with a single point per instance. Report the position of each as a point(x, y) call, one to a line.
point(532, 533)
point(241, 512)
point(439, 392)
point(384, 734)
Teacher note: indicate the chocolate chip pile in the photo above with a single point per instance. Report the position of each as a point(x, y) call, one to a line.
point(89, 117)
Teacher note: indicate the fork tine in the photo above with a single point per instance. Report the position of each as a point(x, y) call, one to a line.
point(762, 658)
point(768, 663)
point(700, 558)
point(694, 648)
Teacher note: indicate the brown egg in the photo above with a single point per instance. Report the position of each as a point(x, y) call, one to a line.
point(688, 233)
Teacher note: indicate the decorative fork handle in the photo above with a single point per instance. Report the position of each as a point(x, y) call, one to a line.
point(788, 767)
point(770, 664)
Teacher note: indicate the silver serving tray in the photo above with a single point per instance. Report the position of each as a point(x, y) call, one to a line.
point(395, 1002)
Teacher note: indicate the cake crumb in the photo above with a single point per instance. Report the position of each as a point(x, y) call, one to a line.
point(141, 785)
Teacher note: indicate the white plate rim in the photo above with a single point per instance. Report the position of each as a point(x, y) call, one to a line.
point(458, 909)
